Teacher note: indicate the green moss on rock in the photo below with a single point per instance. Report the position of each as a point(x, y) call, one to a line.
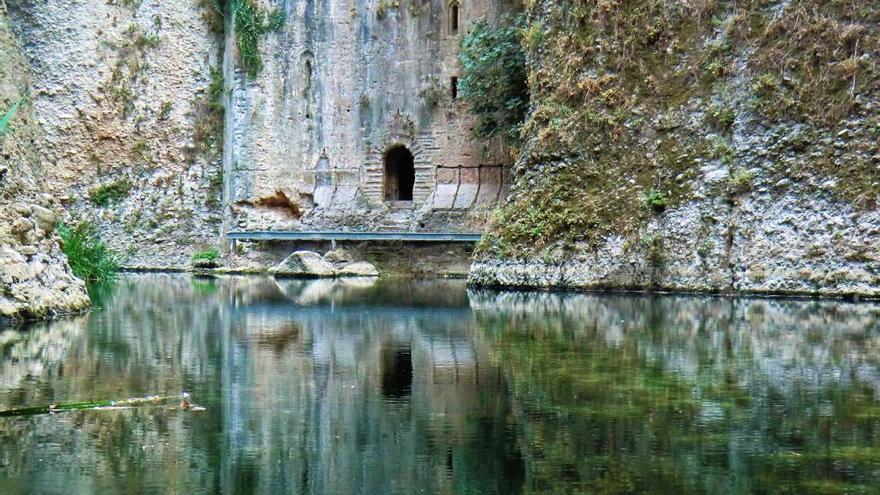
point(633, 96)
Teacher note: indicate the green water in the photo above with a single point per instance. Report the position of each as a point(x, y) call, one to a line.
point(343, 387)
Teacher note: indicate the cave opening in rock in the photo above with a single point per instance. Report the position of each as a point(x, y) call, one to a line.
point(400, 174)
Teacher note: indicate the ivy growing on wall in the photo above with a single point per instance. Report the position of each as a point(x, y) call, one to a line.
point(251, 23)
point(495, 81)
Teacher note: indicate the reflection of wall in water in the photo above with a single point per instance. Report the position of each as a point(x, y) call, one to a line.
point(362, 387)
point(797, 340)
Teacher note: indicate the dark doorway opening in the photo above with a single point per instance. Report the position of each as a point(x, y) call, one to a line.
point(400, 174)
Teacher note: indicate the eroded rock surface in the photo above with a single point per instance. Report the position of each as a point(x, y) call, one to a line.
point(126, 95)
point(35, 279)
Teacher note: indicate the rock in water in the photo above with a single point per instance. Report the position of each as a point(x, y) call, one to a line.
point(304, 264)
point(359, 269)
point(338, 256)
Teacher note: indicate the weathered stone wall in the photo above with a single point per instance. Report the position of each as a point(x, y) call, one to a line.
point(35, 280)
point(121, 93)
point(342, 83)
point(731, 148)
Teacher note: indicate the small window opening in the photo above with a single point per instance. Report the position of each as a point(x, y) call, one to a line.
point(453, 85)
point(400, 174)
point(453, 17)
point(307, 88)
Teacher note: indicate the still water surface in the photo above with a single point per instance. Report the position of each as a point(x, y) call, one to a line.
point(342, 387)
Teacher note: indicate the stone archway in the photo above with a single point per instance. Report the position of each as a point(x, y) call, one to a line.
point(400, 174)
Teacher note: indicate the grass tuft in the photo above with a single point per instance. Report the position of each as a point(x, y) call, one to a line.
point(9, 115)
point(88, 255)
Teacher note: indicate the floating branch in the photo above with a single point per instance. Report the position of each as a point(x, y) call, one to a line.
point(101, 404)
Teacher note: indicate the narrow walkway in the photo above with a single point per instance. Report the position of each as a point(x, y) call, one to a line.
point(353, 236)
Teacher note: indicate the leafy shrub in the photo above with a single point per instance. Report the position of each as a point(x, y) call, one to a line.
point(722, 117)
point(656, 200)
point(495, 79)
point(106, 194)
point(740, 181)
point(206, 255)
point(276, 20)
point(723, 151)
point(165, 110)
point(89, 258)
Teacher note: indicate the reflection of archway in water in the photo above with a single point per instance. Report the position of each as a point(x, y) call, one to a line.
point(397, 371)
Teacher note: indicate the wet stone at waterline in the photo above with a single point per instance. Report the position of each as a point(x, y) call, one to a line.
point(388, 386)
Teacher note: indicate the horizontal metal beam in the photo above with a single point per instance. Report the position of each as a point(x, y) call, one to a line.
point(353, 236)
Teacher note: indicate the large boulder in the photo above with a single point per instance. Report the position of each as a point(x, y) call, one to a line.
point(304, 264)
point(358, 269)
point(339, 256)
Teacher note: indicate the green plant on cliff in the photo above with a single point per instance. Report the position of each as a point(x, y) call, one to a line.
point(494, 83)
point(206, 255)
point(248, 28)
point(251, 24)
point(7, 117)
point(275, 20)
point(614, 86)
point(88, 255)
point(384, 6)
point(129, 67)
point(112, 192)
point(656, 201)
point(209, 113)
point(214, 14)
point(740, 181)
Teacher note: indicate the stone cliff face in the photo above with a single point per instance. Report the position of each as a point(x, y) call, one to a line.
point(713, 146)
point(708, 146)
point(126, 95)
point(35, 280)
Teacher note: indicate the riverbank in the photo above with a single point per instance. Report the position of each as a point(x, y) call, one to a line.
point(767, 244)
point(407, 259)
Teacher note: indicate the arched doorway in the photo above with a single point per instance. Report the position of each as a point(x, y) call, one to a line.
point(400, 174)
